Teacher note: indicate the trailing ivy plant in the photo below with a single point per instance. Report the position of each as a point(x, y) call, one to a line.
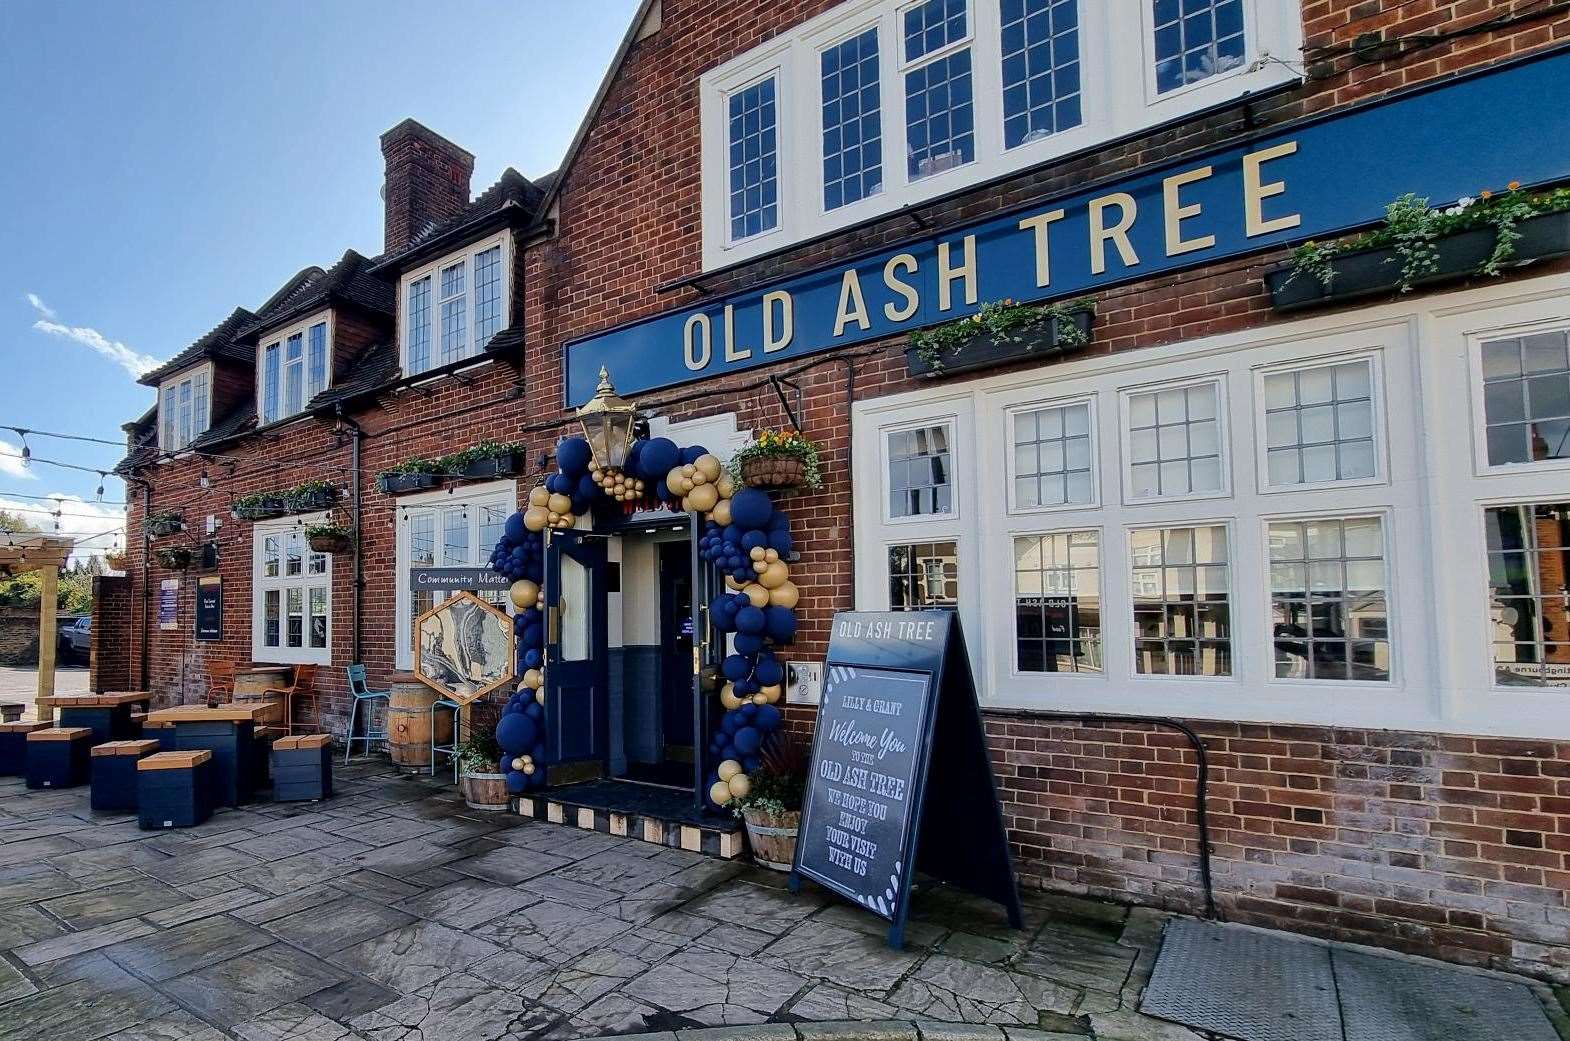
point(1003, 321)
point(1413, 227)
point(304, 495)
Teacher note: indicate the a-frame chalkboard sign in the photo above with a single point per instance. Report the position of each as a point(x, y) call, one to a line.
point(900, 778)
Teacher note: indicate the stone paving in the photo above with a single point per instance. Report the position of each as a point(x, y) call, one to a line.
point(394, 913)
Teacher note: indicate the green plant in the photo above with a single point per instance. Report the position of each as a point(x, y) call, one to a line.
point(457, 462)
point(256, 501)
point(780, 781)
point(167, 520)
point(307, 493)
point(1004, 321)
point(326, 531)
point(771, 444)
point(410, 466)
point(1412, 227)
point(480, 754)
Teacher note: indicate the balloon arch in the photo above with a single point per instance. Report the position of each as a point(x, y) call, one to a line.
point(745, 535)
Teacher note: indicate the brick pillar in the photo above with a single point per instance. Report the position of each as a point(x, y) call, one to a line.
point(112, 620)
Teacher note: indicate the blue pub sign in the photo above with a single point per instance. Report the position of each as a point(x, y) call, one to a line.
point(1318, 178)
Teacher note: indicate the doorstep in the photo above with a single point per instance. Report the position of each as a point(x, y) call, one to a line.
point(662, 816)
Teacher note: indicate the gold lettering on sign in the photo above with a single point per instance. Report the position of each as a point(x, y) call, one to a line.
point(1256, 191)
point(1117, 234)
point(733, 352)
point(777, 337)
point(1038, 224)
point(947, 273)
point(696, 351)
point(853, 308)
point(899, 262)
point(1176, 212)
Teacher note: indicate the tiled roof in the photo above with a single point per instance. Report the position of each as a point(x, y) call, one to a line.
point(240, 420)
point(348, 280)
point(375, 366)
point(512, 187)
point(217, 341)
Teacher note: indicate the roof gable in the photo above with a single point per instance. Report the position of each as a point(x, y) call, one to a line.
point(217, 342)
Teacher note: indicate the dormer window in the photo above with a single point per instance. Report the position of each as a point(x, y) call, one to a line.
point(293, 366)
point(453, 306)
point(184, 410)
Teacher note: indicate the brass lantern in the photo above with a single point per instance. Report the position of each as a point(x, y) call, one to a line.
point(607, 422)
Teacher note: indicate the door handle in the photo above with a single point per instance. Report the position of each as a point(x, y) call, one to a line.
point(553, 625)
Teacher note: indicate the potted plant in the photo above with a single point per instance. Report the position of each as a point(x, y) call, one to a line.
point(771, 808)
point(1421, 245)
point(261, 506)
point(168, 522)
point(175, 558)
point(1002, 331)
point(484, 785)
point(411, 475)
point(484, 460)
point(328, 538)
point(312, 496)
point(779, 459)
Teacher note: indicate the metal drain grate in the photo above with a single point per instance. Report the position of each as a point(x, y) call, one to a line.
point(1244, 984)
point(1388, 999)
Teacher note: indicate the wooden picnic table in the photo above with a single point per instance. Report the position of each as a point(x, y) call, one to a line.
point(110, 700)
point(228, 732)
point(107, 715)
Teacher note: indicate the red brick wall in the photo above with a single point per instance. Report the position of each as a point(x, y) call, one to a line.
point(110, 660)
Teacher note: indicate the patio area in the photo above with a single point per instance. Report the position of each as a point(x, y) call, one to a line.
point(393, 912)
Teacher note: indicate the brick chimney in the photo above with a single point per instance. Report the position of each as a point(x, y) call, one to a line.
point(427, 181)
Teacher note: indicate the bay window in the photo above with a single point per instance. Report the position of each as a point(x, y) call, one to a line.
point(184, 409)
point(292, 595)
point(294, 365)
point(451, 308)
point(877, 105)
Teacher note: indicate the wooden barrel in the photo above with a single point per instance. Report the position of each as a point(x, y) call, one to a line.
point(485, 791)
point(409, 723)
point(773, 837)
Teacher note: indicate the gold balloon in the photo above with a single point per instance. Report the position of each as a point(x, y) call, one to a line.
point(703, 498)
point(677, 482)
point(760, 565)
point(721, 514)
point(538, 496)
point(728, 769)
point(719, 792)
point(539, 695)
point(728, 696)
point(755, 553)
point(559, 503)
point(535, 518)
point(771, 555)
point(533, 679)
point(733, 585)
point(784, 595)
point(757, 594)
point(528, 759)
point(760, 698)
point(726, 484)
point(528, 769)
point(698, 479)
point(771, 693)
point(709, 466)
point(524, 594)
point(739, 786)
point(687, 470)
point(517, 764)
point(774, 575)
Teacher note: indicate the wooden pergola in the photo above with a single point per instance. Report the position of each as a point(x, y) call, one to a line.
point(23, 552)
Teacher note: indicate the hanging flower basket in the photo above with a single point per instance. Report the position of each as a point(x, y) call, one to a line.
point(328, 538)
point(778, 460)
point(261, 507)
point(175, 558)
point(774, 472)
point(160, 525)
point(1001, 334)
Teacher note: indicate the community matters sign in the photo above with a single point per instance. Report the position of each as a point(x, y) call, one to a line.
point(1316, 179)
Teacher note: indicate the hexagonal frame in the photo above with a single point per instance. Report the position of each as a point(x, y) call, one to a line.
point(489, 608)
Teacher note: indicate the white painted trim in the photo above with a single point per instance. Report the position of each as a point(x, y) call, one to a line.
point(433, 268)
point(261, 584)
point(279, 338)
point(174, 383)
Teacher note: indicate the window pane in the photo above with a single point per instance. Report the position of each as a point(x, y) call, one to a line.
point(1040, 69)
point(199, 408)
point(318, 616)
point(455, 538)
point(1057, 602)
point(293, 546)
point(318, 360)
point(939, 115)
point(1527, 606)
point(919, 472)
point(185, 413)
point(454, 308)
point(487, 295)
point(1182, 609)
point(1319, 425)
point(294, 601)
point(1329, 613)
point(1526, 398)
point(417, 335)
point(754, 178)
point(1196, 39)
point(1049, 461)
point(931, 26)
point(270, 617)
point(923, 575)
point(1177, 428)
point(270, 381)
point(271, 556)
point(294, 374)
point(852, 121)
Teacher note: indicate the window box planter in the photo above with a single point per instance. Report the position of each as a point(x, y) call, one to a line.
point(984, 350)
point(312, 500)
point(175, 558)
point(506, 465)
point(399, 483)
point(263, 508)
point(160, 525)
point(1376, 272)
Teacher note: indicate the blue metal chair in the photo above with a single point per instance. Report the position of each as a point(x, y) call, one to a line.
point(450, 751)
point(362, 693)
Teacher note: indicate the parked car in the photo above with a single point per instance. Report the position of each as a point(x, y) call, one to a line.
point(79, 638)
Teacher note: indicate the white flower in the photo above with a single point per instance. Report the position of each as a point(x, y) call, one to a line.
point(1465, 201)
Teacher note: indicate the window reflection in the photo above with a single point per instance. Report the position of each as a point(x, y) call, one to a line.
point(1182, 617)
point(919, 472)
point(1529, 602)
point(1057, 602)
point(1329, 611)
point(923, 575)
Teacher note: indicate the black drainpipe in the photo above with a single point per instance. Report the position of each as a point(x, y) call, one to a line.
point(1200, 799)
point(356, 435)
point(147, 593)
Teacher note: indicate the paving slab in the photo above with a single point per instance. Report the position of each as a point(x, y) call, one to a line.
point(338, 924)
point(241, 989)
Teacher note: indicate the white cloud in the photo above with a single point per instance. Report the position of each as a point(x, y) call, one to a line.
point(11, 464)
point(97, 529)
point(131, 361)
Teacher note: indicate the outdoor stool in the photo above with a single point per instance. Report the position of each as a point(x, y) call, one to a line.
point(114, 774)
point(450, 751)
point(13, 746)
point(57, 757)
point(302, 768)
point(364, 695)
point(11, 711)
point(174, 789)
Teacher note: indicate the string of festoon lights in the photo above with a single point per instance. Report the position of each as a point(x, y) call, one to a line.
point(745, 535)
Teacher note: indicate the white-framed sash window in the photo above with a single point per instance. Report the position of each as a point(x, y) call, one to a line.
point(291, 605)
point(184, 408)
point(449, 309)
point(293, 365)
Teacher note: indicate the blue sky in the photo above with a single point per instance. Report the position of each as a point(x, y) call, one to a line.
point(167, 162)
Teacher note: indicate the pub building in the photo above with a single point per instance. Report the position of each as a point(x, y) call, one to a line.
point(1210, 359)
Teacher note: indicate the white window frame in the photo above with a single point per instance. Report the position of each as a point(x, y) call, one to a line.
point(1126, 446)
point(1220, 521)
point(886, 457)
point(279, 338)
point(305, 581)
point(1011, 589)
point(1116, 99)
point(1376, 364)
point(469, 498)
point(1011, 415)
point(752, 77)
point(1474, 350)
point(473, 349)
point(199, 423)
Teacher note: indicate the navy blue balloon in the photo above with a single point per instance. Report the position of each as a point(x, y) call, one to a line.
point(516, 733)
point(691, 453)
point(537, 753)
point(520, 622)
point(748, 740)
point(586, 487)
point(730, 722)
point(747, 643)
point(751, 620)
point(750, 509)
point(517, 782)
point(729, 752)
point(732, 533)
point(514, 527)
point(754, 540)
point(735, 667)
point(746, 688)
point(769, 671)
point(781, 624)
point(748, 712)
point(768, 718)
point(660, 455)
point(750, 763)
point(780, 521)
point(781, 542)
point(532, 659)
point(662, 492)
point(573, 455)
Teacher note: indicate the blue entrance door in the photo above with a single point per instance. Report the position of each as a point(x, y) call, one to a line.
point(577, 676)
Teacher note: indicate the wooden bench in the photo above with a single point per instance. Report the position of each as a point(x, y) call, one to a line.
point(302, 768)
point(174, 789)
point(114, 774)
point(57, 757)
